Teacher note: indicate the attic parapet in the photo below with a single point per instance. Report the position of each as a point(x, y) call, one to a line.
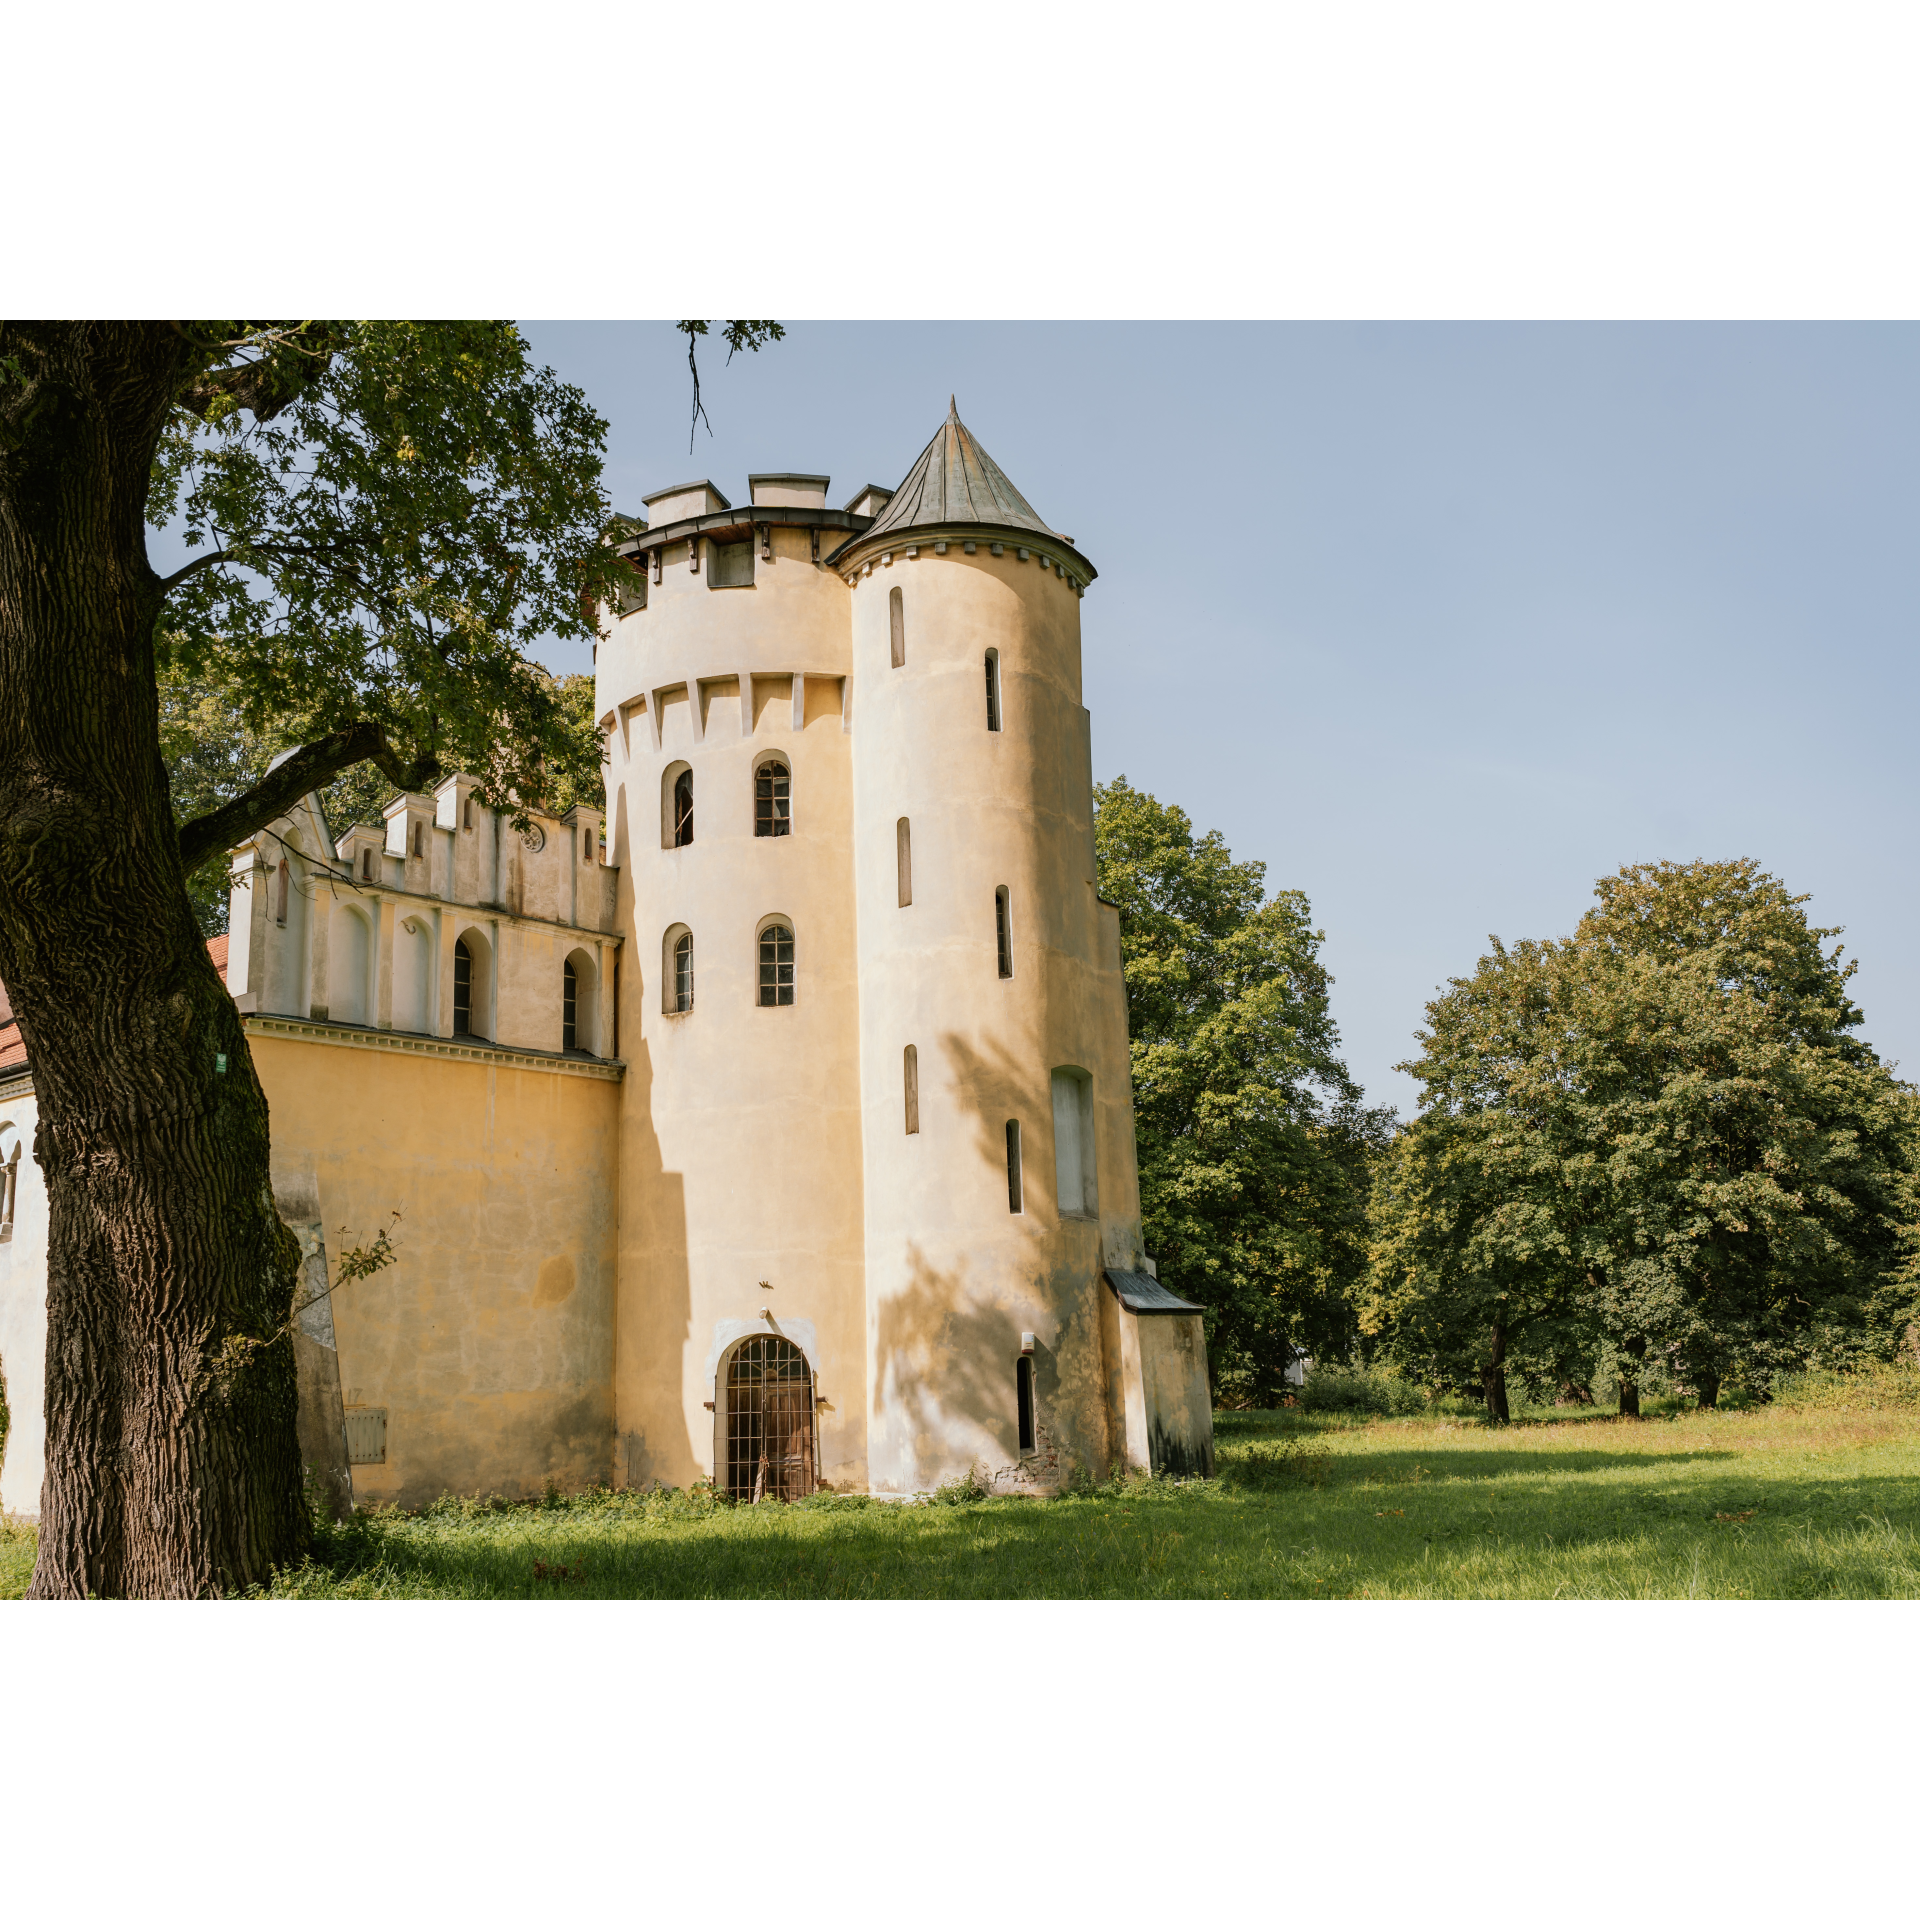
point(829, 527)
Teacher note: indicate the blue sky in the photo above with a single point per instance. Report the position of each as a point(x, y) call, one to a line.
point(1439, 621)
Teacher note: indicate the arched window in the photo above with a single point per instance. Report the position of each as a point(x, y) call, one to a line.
point(1016, 1190)
point(286, 884)
point(419, 838)
point(466, 814)
point(903, 855)
point(776, 965)
point(911, 1069)
point(896, 615)
point(462, 986)
point(9, 1179)
point(366, 863)
point(772, 800)
point(580, 1003)
point(1003, 931)
point(349, 963)
point(770, 1440)
point(993, 689)
point(683, 809)
point(676, 970)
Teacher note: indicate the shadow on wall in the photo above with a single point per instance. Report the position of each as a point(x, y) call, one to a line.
point(654, 1311)
point(944, 1365)
point(996, 1086)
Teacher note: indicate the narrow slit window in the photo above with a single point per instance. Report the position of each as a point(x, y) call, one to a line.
point(683, 810)
point(1023, 1390)
point(286, 881)
point(683, 974)
point(462, 987)
point(466, 815)
point(776, 966)
point(772, 801)
point(418, 832)
point(897, 618)
point(569, 1008)
point(910, 1063)
point(1003, 931)
point(993, 690)
point(1015, 1191)
point(366, 863)
point(903, 855)
point(588, 835)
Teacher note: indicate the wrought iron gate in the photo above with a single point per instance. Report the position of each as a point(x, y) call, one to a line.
point(770, 1439)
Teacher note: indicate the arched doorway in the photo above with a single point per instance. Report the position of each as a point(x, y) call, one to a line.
point(770, 1438)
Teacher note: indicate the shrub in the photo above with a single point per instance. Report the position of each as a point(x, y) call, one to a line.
point(1872, 1387)
point(1332, 1388)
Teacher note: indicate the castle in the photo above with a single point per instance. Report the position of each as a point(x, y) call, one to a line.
point(774, 1125)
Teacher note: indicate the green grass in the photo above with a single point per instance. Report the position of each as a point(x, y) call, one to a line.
point(1811, 1500)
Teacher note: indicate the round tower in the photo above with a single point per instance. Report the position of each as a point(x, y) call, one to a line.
point(724, 682)
point(999, 1170)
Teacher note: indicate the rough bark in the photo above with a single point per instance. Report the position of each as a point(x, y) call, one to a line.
point(1493, 1379)
point(1708, 1385)
point(1630, 1384)
point(173, 1466)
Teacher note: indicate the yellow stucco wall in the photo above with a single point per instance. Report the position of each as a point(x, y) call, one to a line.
point(490, 1341)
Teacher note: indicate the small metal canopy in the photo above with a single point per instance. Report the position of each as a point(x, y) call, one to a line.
point(1139, 1292)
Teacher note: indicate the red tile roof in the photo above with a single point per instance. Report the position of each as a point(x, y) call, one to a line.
point(13, 1049)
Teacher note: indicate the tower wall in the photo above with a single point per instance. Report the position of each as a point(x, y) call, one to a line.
point(954, 1278)
point(740, 1135)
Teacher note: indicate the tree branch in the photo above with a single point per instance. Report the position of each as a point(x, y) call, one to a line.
point(190, 569)
point(317, 763)
point(287, 367)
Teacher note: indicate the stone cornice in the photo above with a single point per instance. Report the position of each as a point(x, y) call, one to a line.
point(385, 1040)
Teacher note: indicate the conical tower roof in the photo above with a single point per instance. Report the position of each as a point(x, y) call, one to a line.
point(955, 483)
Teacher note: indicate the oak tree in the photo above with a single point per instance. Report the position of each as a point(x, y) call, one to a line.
point(380, 517)
point(1664, 1128)
point(1255, 1147)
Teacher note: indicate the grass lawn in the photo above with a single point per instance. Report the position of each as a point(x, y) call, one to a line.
point(1782, 1502)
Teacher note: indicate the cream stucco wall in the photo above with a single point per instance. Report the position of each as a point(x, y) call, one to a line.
point(23, 1315)
point(740, 1138)
point(954, 1277)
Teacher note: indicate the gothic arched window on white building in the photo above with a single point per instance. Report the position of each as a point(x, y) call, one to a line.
point(1003, 931)
point(462, 986)
point(676, 806)
point(9, 1178)
point(897, 621)
point(772, 800)
point(993, 689)
point(676, 971)
point(903, 856)
point(776, 964)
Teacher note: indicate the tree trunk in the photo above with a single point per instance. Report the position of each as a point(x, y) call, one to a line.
point(1630, 1388)
point(1493, 1379)
point(1709, 1388)
point(173, 1466)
